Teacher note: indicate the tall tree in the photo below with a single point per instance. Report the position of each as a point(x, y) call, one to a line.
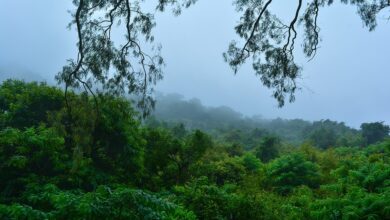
point(374, 132)
point(268, 148)
point(116, 67)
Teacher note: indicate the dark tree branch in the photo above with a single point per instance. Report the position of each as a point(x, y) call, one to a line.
point(314, 46)
point(254, 28)
point(68, 125)
point(292, 28)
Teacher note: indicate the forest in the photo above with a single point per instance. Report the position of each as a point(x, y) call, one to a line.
point(186, 161)
point(85, 133)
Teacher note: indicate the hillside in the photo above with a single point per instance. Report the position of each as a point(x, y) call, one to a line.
point(226, 123)
point(94, 159)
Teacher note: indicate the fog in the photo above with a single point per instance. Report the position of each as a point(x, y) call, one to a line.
point(347, 81)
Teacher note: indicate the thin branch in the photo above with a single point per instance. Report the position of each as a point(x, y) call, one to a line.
point(292, 28)
point(68, 81)
point(314, 46)
point(254, 28)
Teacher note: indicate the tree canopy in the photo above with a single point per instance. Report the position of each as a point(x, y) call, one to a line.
point(119, 168)
point(374, 132)
point(134, 65)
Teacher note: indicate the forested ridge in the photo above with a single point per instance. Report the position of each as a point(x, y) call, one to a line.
point(225, 123)
point(187, 161)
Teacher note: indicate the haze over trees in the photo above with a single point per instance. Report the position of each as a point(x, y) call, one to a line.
point(88, 151)
point(232, 126)
point(374, 132)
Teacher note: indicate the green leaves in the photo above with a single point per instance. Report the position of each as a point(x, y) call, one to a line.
point(374, 132)
point(27, 104)
point(268, 148)
point(193, 175)
point(104, 203)
point(290, 171)
point(30, 156)
point(354, 205)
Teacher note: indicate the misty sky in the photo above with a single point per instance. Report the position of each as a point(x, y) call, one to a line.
point(349, 79)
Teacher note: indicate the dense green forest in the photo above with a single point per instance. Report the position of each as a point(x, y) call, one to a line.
point(91, 157)
point(225, 124)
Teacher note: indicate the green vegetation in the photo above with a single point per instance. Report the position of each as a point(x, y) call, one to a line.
point(225, 124)
point(111, 165)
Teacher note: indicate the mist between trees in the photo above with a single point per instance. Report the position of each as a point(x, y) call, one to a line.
point(101, 146)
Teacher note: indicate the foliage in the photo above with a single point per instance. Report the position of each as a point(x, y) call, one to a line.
point(221, 171)
point(104, 203)
point(209, 201)
point(27, 104)
point(270, 43)
point(117, 66)
point(356, 204)
point(290, 171)
point(233, 128)
point(374, 132)
point(116, 167)
point(117, 140)
point(30, 156)
point(268, 148)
